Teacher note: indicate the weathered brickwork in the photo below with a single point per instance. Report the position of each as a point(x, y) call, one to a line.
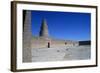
point(27, 36)
point(42, 41)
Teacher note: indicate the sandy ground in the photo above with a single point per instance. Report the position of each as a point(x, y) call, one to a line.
point(61, 53)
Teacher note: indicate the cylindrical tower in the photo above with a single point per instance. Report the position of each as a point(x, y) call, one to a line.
point(27, 36)
point(44, 29)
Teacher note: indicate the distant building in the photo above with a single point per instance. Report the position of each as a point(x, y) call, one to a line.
point(42, 41)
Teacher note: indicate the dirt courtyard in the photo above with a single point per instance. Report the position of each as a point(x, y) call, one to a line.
point(61, 53)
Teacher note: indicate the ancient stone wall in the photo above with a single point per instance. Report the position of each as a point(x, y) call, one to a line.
point(43, 43)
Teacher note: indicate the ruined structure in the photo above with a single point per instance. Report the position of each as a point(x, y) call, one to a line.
point(27, 36)
point(42, 41)
point(45, 41)
point(44, 29)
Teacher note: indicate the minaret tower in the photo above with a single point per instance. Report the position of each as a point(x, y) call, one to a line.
point(44, 29)
point(27, 36)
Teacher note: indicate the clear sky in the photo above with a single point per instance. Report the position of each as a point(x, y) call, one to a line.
point(63, 25)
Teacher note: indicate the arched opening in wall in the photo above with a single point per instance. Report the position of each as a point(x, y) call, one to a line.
point(48, 44)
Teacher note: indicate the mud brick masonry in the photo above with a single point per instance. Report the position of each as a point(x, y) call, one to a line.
point(42, 41)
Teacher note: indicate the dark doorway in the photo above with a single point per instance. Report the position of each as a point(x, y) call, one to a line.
point(65, 43)
point(48, 44)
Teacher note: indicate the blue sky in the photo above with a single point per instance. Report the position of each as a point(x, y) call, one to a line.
point(63, 25)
